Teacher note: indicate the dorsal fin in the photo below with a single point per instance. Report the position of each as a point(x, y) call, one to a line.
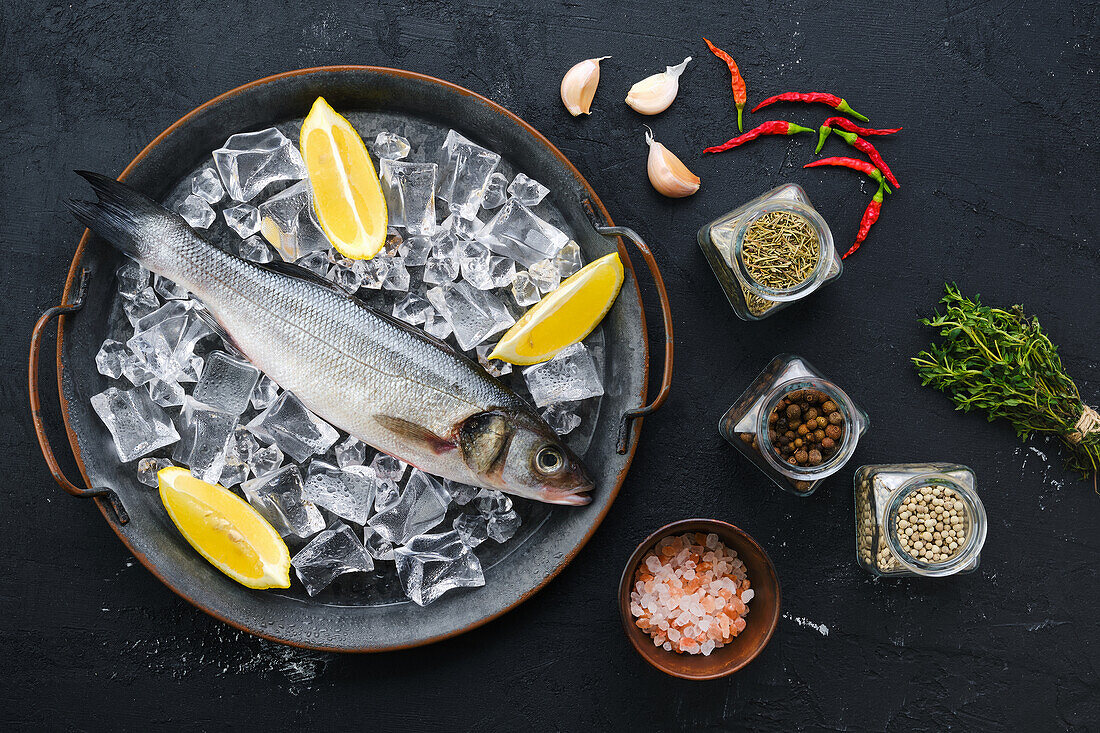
point(291, 269)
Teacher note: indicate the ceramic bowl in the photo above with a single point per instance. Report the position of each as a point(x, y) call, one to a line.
point(763, 608)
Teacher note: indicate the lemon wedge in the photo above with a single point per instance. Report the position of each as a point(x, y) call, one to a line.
point(225, 530)
point(346, 194)
point(565, 316)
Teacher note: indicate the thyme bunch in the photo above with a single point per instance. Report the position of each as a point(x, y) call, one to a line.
point(1000, 362)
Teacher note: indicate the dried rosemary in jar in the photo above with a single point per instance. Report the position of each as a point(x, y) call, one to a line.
point(780, 250)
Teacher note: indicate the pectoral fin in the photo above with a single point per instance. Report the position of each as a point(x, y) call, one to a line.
point(416, 434)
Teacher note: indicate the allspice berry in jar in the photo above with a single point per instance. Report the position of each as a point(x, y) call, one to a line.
point(805, 428)
point(784, 423)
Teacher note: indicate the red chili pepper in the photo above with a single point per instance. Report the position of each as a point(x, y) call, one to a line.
point(855, 164)
point(870, 216)
point(775, 127)
point(739, 94)
point(845, 124)
point(869, 150)
point(811, 97)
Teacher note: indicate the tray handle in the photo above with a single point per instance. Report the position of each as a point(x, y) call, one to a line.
point(629, 416)
point(36, 405)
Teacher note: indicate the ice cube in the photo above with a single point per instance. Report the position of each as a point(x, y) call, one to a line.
point(196, 212)
point(239, 456)
point(387, 495)
point(570, 376)
point(135, 370)
point(390, 145)
point(349, 277)
point(410, 194)
point(496, 367)
point(166, 393)
point(244, 219)
point(491, 502)
point(437, 325)
point(473, 314)
point(392, 246)
point(440, 268)
point(412, 309)
point(460, 228)
point(287, 221)
point(495, 191)
point(278, 497)
point(207, 186)
point(464, 174)
point(168, 289)
point(111, 358)
point(422, 505)
point(332, 553)
point(264, 393)
point(502, 526)
point(430, 565)
point(297, 431)
point(137, 425)
point(147, 470)
point(568, 260)
point(387, 467)
point(142, 305)
point(526, 190)
point(132, 279)
point(346, 492)
point(378, 546)
point(562, 418)
point(249, 161)
point(544, 274)
point(255, 249)
point(371, 273)
point(204, 437)
point(351, 452)
point(316, 261)
point(516, 232)
point(524, 289)
point(226, 383)
point(415, 250)
point(166, 346)
point(397, 276)
point(265, 460)
point(473, 261)
point(472, 528)
point(461, 494)
point(502, 271)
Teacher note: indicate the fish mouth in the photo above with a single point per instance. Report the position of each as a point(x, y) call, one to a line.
point(576, 496)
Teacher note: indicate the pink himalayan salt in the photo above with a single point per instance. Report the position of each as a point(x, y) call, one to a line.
point(690, 594)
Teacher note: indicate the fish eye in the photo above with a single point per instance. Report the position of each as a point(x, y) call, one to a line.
point(549, 460)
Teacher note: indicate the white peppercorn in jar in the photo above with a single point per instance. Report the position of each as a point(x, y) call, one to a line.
point(918, 519)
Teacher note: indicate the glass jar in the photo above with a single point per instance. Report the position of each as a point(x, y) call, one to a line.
point(745, 424)
point(722, 241)
point(881, 493)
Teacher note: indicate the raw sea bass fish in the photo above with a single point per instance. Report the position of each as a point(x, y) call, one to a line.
point(388, 384)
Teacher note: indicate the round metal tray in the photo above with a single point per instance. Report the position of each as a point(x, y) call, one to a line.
point(136, 515)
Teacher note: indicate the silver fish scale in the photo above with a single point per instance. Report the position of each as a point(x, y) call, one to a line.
point(342, 360)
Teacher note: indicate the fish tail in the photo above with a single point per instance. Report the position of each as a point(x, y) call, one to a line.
point(121, 214)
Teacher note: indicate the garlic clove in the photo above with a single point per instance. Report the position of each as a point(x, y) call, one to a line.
point(654, 94)
point(578, 86)
point(667, 173)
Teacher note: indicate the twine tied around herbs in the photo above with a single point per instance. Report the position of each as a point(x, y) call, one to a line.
point(1089, 422)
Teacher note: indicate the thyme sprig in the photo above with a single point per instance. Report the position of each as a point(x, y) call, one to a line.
point(1000, 362)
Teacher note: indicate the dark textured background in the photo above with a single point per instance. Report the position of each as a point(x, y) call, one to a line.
point(998, 163)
